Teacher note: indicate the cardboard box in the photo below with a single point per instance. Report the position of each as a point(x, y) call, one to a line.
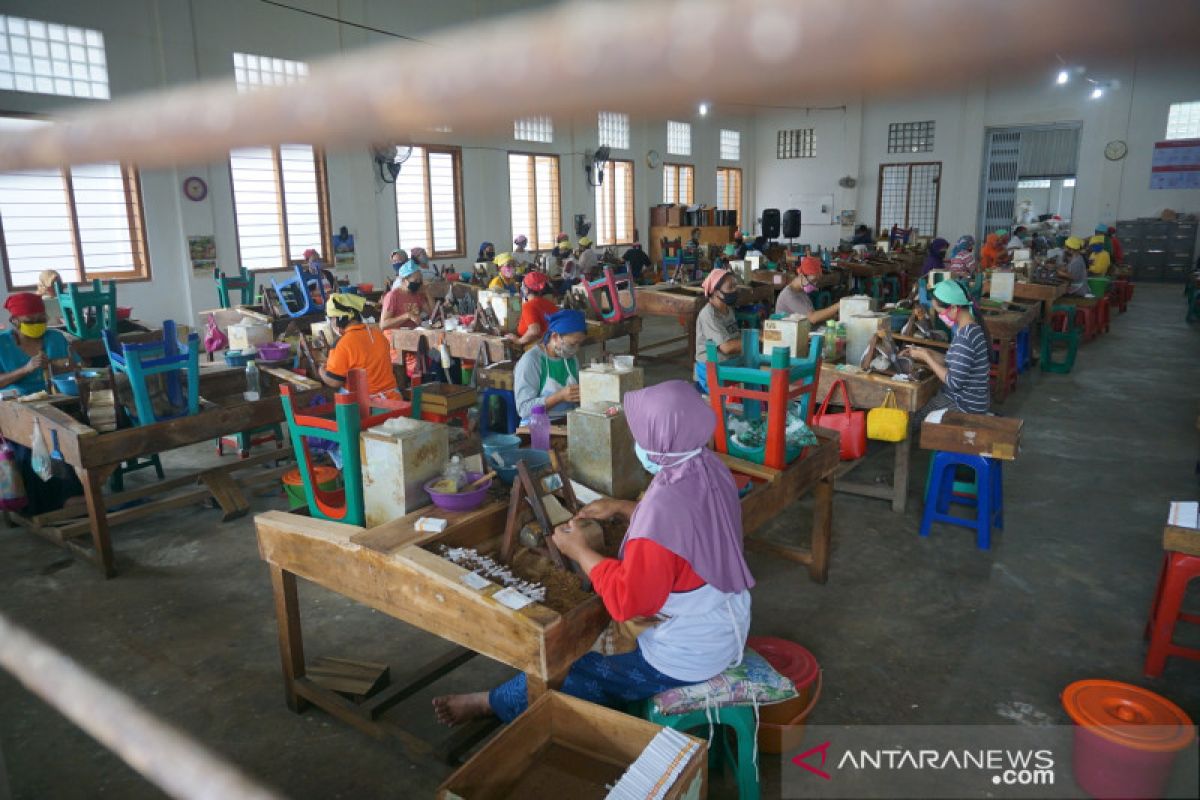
point(790, 333)
point(608, 386)
point(398, 457)
point(245, 335)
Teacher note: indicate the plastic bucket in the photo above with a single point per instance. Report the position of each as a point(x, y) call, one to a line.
point(1126, 738)
point(781, 725)
point(328, 479)
point(459, 501)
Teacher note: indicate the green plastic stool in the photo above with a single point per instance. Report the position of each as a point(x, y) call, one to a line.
point(741, 719)
point(244, 282)
point(1050, 337)
point(76, 303)
point(117, 482)
point(747, 319)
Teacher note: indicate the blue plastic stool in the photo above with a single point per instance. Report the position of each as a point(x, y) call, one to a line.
point(1024, 351)
point(988, 502)
point(741, 719)
point(509, 401)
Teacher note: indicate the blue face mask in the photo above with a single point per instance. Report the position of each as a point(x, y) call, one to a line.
point(644, 457)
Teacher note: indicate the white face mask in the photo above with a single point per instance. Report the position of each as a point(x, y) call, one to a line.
point(653, 468)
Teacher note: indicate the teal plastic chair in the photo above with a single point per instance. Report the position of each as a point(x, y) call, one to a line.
point(139, 361)
point(740, 719)
point(1069, 335)
point(88, 314)
point(243, 283)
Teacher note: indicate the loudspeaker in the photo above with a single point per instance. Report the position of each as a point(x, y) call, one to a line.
point(791, 223)
point(770, 223)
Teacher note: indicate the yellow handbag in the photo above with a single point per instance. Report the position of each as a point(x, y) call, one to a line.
point(888, 423)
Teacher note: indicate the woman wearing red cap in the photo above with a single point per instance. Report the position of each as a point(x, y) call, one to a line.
point(535, 310)
point(795, 298)
point(28, 346)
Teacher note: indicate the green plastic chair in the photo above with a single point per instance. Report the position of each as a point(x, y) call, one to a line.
point(741, 719)
point(88, 314)
point(244, 283)
point(1050, 337)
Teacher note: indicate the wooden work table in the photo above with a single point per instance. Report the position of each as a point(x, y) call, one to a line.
point(685, 302)
point(867, 391)
point(466, 345)
point(95, 456)
point(1043, 293)
point(1003, 327)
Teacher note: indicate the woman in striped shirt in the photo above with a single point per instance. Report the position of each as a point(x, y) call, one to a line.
point(964, 369)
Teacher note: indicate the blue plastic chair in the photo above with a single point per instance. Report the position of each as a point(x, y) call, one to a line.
point(301, 285)
point(140, 361)
point(988, 502)
point(509, 401)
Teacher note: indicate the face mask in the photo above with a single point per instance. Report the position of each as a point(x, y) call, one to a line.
point(729, 298)
point(946, 318)
point(643, 456)
point(567, 350)
point(506, 272)
point(810, 288)
point(32, 330)
point(414, 286)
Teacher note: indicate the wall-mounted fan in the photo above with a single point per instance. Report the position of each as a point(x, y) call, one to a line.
point(388, 160)
point(593, 164)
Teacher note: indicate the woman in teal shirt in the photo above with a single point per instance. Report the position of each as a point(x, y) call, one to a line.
point(29, 345)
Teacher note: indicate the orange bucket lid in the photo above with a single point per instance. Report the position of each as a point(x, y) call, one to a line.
point(1128, 715)
point(323, 472)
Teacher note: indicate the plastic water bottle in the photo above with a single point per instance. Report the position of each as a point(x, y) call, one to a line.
point(253, 382)
point(539, 428)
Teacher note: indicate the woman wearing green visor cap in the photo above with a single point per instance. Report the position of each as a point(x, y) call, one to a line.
point(964, 369)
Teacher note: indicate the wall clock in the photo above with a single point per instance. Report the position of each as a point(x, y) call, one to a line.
point(653, 159)
point(1115, 150)
point(195, 189)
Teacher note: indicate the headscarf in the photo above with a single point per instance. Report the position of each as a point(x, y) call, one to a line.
point(585, 241)
point(563, 247)
point(409, 267)
point(536, 282)
point(24, 304)
point(310, 254)
point(344, 306)
point(47, 279)
point(521, 240)
point(691, 507)
point(1096, 241)
point(992, 251)
point(1101, 229)
point(419, 255)
point(503, 259)
point(1073, 243)
point(561, 237)
point(811, 266)
point(713, 281)
point(935, 256)
point(565, 322)
point(483, 248)
point(964, 243)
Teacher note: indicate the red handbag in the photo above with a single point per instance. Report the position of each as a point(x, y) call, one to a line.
point(850, 424)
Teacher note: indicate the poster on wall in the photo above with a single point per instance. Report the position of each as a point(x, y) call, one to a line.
point(343, 249)
point(1176, 164)
point(203, 252)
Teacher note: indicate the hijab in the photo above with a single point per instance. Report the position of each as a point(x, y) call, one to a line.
point(934, 258)
point(691, 507)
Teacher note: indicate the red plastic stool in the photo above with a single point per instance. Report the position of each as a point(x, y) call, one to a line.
point(1178, 570)
point(1103, 315)
point(1119, 293)
point(994, 370)
point(461, 415)
point(1088, 319)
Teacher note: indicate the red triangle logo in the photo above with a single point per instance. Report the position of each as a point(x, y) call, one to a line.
point(802, 760)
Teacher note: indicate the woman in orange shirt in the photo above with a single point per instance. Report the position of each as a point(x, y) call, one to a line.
point(535, 310)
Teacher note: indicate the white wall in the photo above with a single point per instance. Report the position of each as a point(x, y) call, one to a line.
point(151, 44)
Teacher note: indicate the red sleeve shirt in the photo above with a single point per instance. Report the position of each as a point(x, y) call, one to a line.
point(534, 311)
point(638, 584)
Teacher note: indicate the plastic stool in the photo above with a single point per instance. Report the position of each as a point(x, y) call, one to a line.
point(1178, 570)
point(509, 401)
point(117, 482)
point(988, 505)
point(994, 371)
point(1060, 329)
point(741, 719)
point(1103, 315)
point(892, 288)
point(244, 283)
point(88, 314)
point(243, 441)
point(1088, 318)
point(1024, 350)
point(165, 357)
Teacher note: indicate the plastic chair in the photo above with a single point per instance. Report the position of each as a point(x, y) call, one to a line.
point(1061, 329)
point(1178, 570)
point(509, 401)
point(243, 441)
point(892, 288)
point(1024, 350)
point(139, 361)
point(610, 289)
point(88, 314)
point(243, 283)
point(740, 719)
point(301, 285)
point(117, 482)
point(988, 504)
point(1087, 317)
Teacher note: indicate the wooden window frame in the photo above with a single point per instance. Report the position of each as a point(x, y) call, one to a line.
point(323, 216)
point(460, 224)
point(532, 234)
point(740, 193)
point(135, 215)
point(937, 202)
point(610, 188)
point(691, 183)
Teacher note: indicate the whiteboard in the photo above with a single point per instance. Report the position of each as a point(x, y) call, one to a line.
point(815, 209)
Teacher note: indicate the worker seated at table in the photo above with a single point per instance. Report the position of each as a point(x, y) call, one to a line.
point(589, 259)
point(862, 235)
point(399, 257)
point(1075, 271)
point(487, 252)
point(935, 256)
point(964, 369)
point(717, 322)
point(404, 306)
point(313, 268)
point(520, 254)
point(506, 281)
point(1114, 245)
point(636, 261)
point(359, 346)
point(27, 351)
point(1018, 239)
point(796, 298)
point(569, 271)
point(1099, 261)
point(548, 373)
point(679, 583)
point(962, 258)
point(993, 253)
point(536, 310)
point(740, 246)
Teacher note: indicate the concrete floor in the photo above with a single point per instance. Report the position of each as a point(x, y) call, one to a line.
point(908, 630)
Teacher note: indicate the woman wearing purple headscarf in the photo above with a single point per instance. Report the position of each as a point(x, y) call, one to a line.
point(935, 258)
point(681, 565)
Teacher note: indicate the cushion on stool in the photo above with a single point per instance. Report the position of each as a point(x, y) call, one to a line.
point(754, 681)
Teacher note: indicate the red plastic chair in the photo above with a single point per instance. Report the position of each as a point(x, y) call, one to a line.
point(1178, 570)
point(1088, 319)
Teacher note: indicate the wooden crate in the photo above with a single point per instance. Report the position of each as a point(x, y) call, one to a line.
point(497, 376)
point(563, 747)
point(974, 434)
point(445, 398)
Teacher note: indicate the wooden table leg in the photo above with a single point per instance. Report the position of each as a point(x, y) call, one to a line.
point(822, 531)
point(291, 643)
point(633, 343)
point(93, 493)
point(900, 474)
point(1002, 378)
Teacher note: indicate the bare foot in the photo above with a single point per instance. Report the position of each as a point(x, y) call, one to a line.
point(455, 709)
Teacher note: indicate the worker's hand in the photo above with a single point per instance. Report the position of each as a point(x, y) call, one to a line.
point(917, 354)
point(35, 363)
point(602, 509)
point(836, 304)
point(572, 393)
point(570, 542)
point(512, 337)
